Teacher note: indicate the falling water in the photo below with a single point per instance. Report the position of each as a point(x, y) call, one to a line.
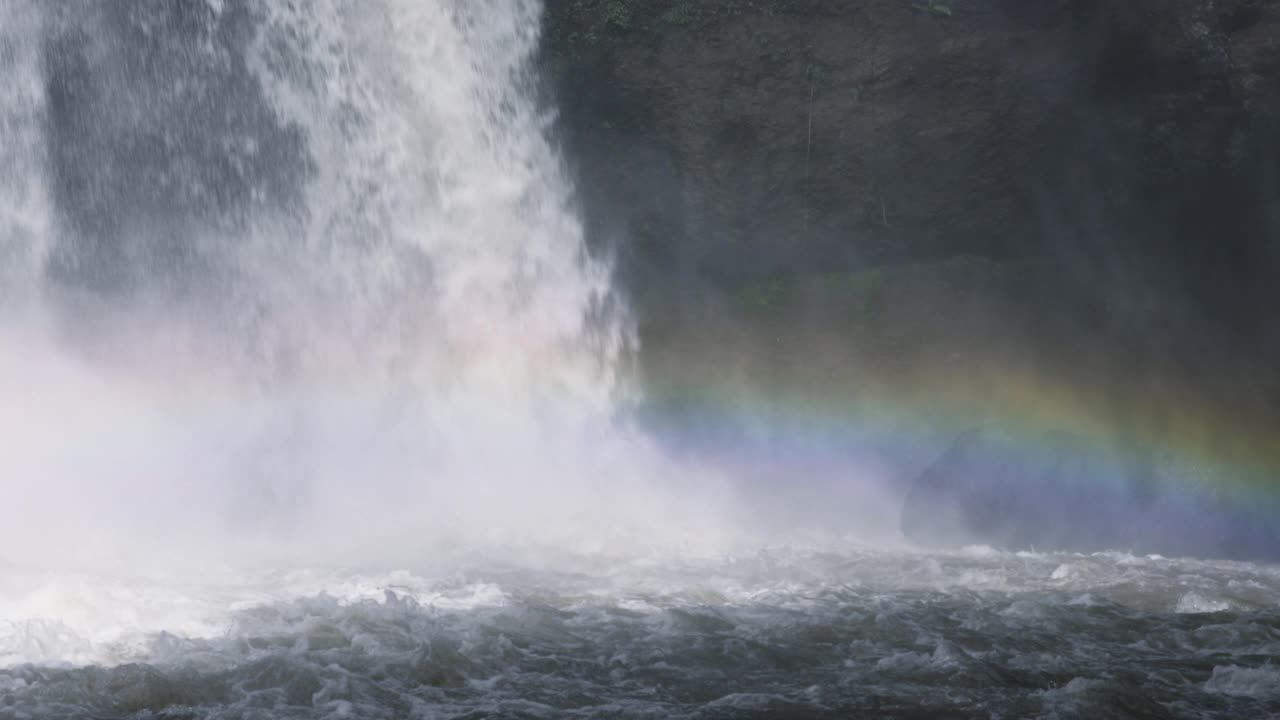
point(305, 265)
point(24, 215)
point(302, 283)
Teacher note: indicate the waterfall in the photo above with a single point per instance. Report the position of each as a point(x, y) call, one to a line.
point(24, 214)
point(306, 269)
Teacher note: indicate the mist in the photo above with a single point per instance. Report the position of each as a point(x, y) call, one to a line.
point(301, 349)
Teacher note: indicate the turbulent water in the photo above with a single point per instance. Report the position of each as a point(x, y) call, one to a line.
point(775, 633)
point(313, 403)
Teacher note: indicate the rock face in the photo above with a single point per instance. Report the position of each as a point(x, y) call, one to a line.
point(830, 202)
point(1128, 150)
point(1064, 491)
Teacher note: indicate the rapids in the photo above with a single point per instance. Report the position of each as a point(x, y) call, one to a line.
point(779, 632)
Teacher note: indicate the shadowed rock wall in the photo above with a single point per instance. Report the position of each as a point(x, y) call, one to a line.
point(965, 210)
point(1123, 156)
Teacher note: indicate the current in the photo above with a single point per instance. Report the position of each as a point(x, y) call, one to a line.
point(780, 632)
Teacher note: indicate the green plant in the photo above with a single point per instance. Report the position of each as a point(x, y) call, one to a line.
point(618, 14)
point(680, 13)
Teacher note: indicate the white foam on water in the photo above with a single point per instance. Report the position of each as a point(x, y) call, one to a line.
point(1259, 682)
point(790, 630)
point(1194, 602)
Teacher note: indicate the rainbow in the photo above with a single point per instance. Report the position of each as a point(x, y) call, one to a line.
point(1212, 454)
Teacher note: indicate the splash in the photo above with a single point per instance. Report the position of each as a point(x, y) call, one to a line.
point(305, 283)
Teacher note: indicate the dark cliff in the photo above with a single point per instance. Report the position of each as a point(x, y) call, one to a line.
point(1112, 164)
point(974, 207)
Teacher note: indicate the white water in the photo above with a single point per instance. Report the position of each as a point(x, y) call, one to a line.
point(421, 358)
point(24, 216)
point(779, 632)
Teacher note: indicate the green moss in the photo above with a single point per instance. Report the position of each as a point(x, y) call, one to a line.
point(617, 13)
point(858, 294)
point(861, 292)
point(762, 296)
point(681, 12)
